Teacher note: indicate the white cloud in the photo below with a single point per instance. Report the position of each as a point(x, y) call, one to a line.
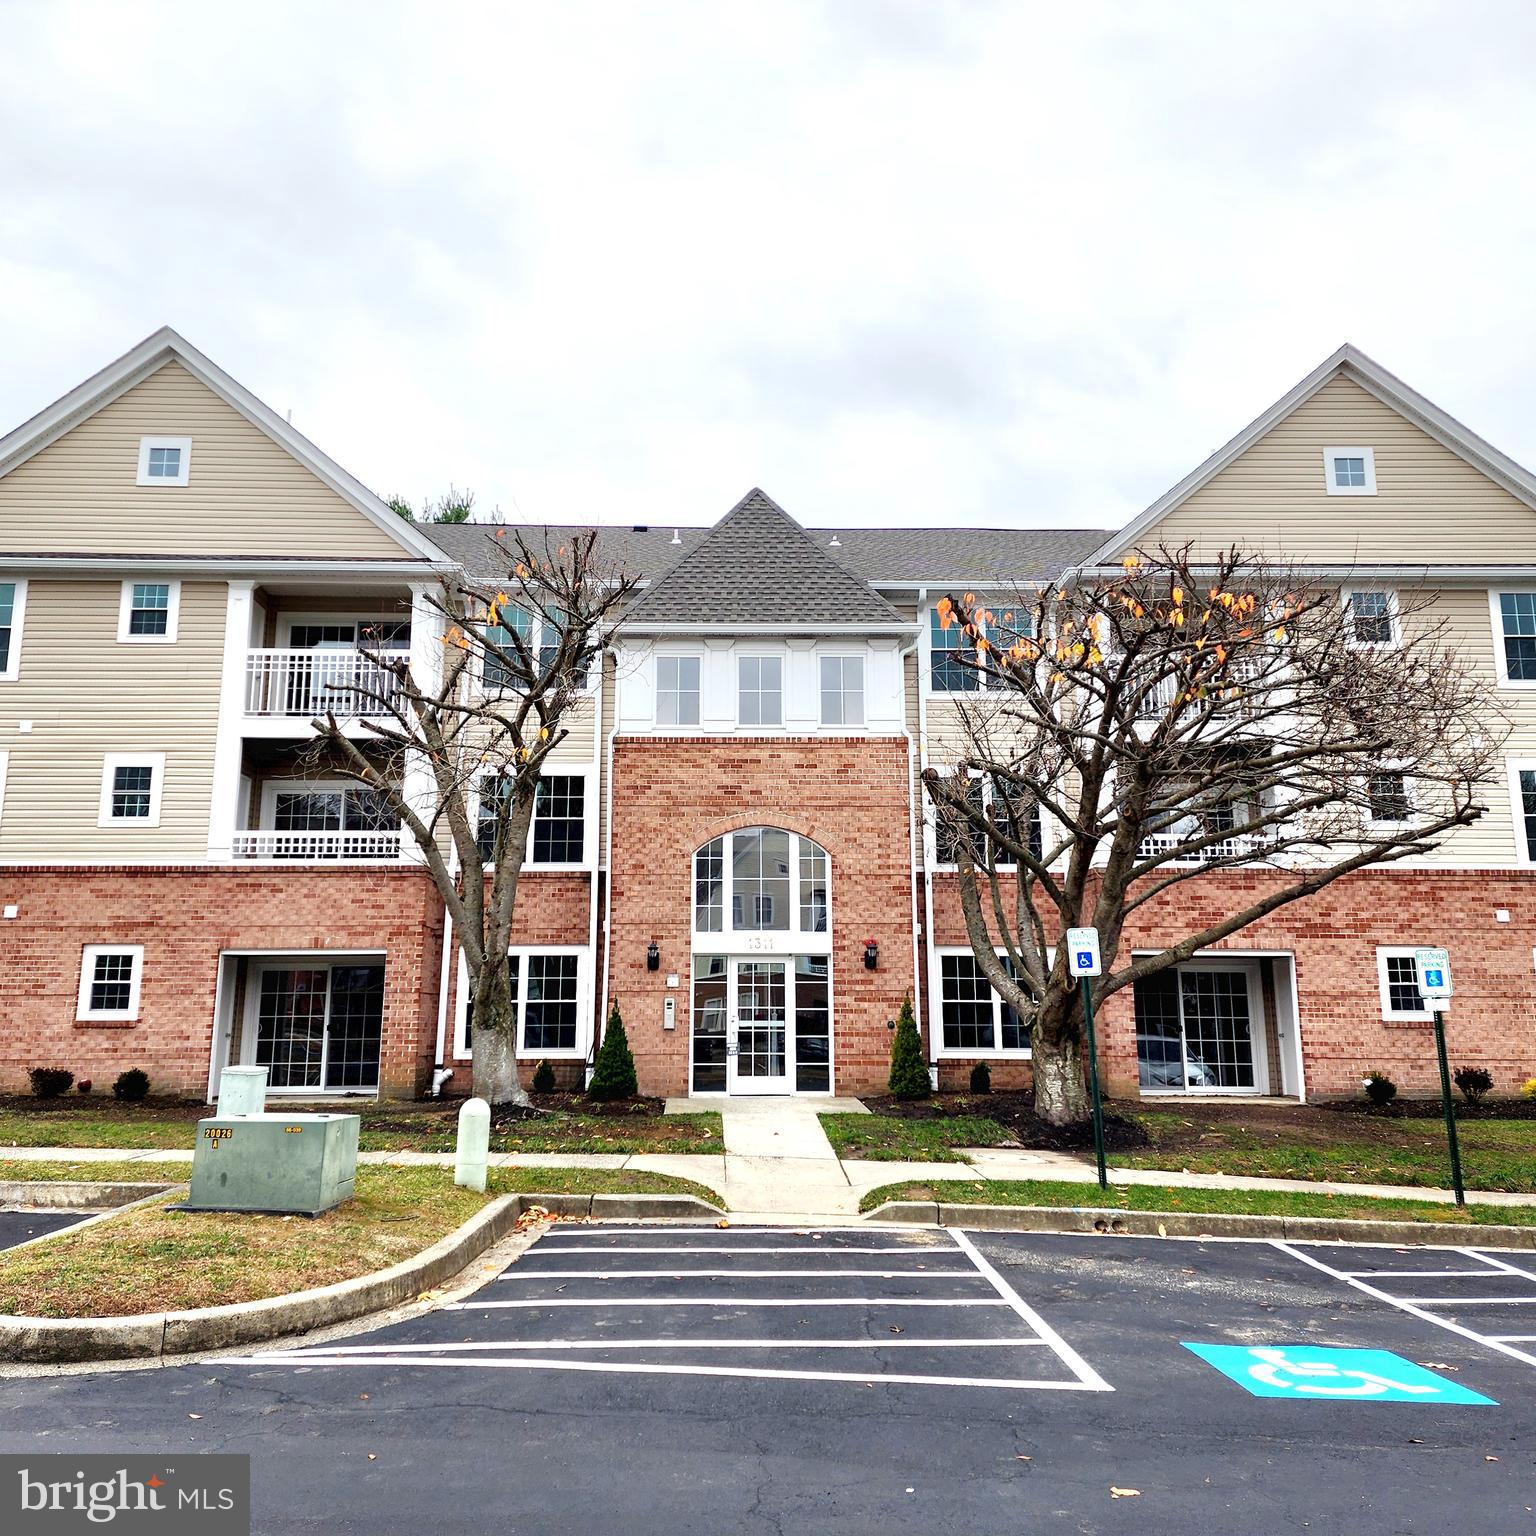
point(894, 262)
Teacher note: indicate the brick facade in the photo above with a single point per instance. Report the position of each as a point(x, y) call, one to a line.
point(674, 794)
point(1333, 937)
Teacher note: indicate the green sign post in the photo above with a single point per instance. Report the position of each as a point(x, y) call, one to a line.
point(1083, 962)
point(1433, 970)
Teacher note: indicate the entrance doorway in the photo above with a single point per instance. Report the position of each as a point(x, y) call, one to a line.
point(762, 1025)
point(315, 1028)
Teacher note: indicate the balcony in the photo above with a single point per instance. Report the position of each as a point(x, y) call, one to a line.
point(1245, 845)
point(300, 684)
point(315, 847)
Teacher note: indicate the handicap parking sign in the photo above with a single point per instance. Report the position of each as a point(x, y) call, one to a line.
point(1318, 1374)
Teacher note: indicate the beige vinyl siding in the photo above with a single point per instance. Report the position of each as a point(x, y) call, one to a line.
point(1431, 505)
point(86, 695)
point(246, 495)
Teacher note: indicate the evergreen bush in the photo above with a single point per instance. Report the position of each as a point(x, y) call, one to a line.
point(909, 1071)
point(613, 1072)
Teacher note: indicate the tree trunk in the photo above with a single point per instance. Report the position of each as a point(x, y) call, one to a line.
point(1061, 1088)
point(494, 1039)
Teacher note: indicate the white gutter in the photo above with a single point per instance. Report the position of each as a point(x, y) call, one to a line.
point(917, 975)
point(935, 1024)
point(640, 627)
point(608, 851)
point(221, 567)
point(594, 870)
point(440, 1072)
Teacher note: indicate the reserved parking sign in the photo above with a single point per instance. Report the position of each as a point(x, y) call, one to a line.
point(1433, 969)
point(1083, 952)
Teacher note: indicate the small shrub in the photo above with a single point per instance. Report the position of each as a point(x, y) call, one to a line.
point(131, 1086)
point(909, 1072)
point(543, 1078)
point(1474, 1084)
point(50, 1082)
point(83, 1086)
point(1528, 1088)
point(613, 1072)
point(981, 1078)
point(1380, 1089)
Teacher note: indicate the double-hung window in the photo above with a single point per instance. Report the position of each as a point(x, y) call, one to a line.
point(842, 690)
point(1515, 621)
point(502, 654)
point(130, 789)
point(110, 976)
point(677, 689)
point(975, 1020)
point(559, 817)
point(1371, 618)
point(1387, 796)
point(948, 673)
point(1523, 791)
point(760, 690)
point(148, 612)
point(13, 597)
point(1399, 982)
point(546, 989)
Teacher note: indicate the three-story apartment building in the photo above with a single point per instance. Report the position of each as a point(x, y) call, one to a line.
point(731, 842)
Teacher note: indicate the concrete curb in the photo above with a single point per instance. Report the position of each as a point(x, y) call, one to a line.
point(56, 1341)
point(1097, 1220)
point(57, 1195)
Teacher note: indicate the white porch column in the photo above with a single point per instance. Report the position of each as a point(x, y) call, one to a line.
point(224, 802)
point(426, 671)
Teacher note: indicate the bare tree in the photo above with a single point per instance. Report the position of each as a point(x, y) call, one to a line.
point(1137, 731)
point(456, 757)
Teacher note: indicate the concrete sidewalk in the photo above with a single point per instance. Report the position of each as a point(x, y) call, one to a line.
point(780, 1165)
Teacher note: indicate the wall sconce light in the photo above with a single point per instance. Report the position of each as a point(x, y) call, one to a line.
point(871, 954)
point(652, 957)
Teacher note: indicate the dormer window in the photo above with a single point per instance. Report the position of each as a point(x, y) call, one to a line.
point(1349, 471)
point(164, 460)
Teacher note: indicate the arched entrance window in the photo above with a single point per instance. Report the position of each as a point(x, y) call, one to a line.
point(762, 983)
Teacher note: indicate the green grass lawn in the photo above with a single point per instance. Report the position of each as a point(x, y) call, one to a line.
point(1150, 1197)
point(387, 1127)
point(1495, 1154)
point(890, 1138)
point(150, 1259)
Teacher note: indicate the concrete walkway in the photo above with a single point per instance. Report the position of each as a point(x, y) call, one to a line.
point(778, 1165)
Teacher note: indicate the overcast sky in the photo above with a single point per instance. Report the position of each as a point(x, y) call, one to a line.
point(895, 262)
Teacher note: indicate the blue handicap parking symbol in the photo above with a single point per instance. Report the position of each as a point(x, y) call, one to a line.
point(1084, 959)
point(1433, 978)
point(1355, 1375)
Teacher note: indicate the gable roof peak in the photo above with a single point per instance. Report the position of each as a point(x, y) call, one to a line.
point(758, 567)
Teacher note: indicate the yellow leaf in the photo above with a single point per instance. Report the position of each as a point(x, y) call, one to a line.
point(1178, 595)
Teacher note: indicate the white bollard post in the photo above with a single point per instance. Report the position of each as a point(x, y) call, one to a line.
point(474, 1147)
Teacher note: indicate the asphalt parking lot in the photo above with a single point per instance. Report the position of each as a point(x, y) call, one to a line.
point(23, 1226)
point(708, 1379)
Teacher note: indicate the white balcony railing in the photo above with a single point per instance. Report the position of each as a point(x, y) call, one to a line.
point(1243, 846)
point(302, 684)
point(316, 845)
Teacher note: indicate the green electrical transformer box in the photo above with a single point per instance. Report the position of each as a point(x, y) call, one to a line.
point(301, 1164)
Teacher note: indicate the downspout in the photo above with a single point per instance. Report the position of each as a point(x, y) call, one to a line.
point(917, 979)
point(440, 1073)
point(922, 750)
point(594, 874)
point(608, 849)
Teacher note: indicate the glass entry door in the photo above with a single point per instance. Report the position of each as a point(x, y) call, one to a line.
point(757, 1048)
point(1199, 1029)
point(315, 1028)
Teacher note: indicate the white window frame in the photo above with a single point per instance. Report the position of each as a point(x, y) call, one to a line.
point(1389, 1014)
point(1394, 620)
point(1330, 472)
point(656, 691)
point(1496, 618)
point(88, 957)
point(970, 1053)
point(1388, 766)
point(588, 820)
point(730, 940)
point(12, 668)
point(842, 658)
point(931, 821)
point(155, 762)
point(1516, 765)
point(183, 443)
point(763, 655)
point(926, 681)
point(172, 612)
point(585, 971)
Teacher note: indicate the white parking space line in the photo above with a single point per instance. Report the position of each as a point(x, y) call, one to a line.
point(1469, 1301)
point(1414, 1274)
point(1500, 1264)
point(1085, 1373)
point(747, 1274)
point(1414, 1308)
point(650, 1368)
point(805, 1249)
point(733, 1301)
point(470, 1346)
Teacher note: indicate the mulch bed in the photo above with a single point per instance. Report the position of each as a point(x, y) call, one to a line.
point(1015, 1112)
point(1429, 1109)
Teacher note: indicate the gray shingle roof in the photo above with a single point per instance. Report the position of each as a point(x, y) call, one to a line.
point(757, 565)
point(934, 556)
